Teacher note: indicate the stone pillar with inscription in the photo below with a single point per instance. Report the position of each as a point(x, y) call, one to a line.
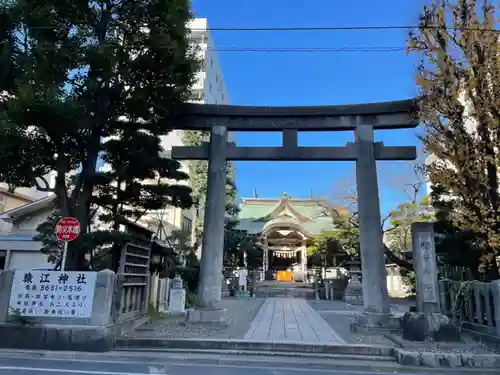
point(428, 322)
point(425, 264)
point(57, 310)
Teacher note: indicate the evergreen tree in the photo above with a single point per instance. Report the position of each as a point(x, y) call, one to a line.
point(459, 79)
point(75, 73)
point(198, 171)
point(324, 247)
point(399, 233)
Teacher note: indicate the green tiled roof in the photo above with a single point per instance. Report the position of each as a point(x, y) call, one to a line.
point(253, 212)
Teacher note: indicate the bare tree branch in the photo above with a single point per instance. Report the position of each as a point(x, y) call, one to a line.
point(39, 187)
point(397, 260)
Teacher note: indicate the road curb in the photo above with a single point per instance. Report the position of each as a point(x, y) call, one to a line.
point(246, 345)
point(403, 357)
point(449, 360)
point(345, 362)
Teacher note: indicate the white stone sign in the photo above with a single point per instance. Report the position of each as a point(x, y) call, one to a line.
point(243, 278)
point(67, 294)
point(429, 267)
point(177, 301)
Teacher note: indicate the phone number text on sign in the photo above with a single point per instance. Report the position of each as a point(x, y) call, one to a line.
point(52, 294)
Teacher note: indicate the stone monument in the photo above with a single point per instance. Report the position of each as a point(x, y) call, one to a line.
point(428, 322)
point(57, 310)
point(177, 298)
point(354, 290)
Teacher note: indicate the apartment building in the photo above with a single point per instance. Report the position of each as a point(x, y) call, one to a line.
point(209, 88)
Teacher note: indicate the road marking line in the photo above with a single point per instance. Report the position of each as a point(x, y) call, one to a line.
point(69, 371)
point(212, 365)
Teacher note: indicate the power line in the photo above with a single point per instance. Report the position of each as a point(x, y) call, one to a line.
point(328, 28)
point(344, 28)
point(308, 50)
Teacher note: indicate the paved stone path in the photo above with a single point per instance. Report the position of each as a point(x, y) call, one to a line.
point(290, 319)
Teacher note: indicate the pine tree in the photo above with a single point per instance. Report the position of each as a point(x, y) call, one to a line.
point(75, 73)
point(459, 78)
point(138, 181)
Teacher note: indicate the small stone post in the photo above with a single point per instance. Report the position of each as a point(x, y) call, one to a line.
point(375, 295)
point(495, 285)
point(177, 301)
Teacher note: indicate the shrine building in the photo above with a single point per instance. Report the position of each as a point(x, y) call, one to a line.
point(286, 226)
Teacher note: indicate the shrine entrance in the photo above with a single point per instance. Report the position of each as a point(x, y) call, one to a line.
point(363, 119)
point(285, 256)
point(286, 227)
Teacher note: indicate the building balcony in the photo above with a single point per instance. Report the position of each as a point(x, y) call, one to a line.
point(200, 81)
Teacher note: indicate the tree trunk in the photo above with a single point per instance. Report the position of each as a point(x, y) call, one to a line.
point(397, 260)
point(492, 272)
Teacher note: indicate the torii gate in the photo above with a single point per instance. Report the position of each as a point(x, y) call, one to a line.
point(362, 118)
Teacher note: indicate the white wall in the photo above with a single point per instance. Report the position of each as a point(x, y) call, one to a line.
point(29, 224)
point(26, 260)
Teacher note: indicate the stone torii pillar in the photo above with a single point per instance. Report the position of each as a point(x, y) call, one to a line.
point(210, 283)
point(375, 295)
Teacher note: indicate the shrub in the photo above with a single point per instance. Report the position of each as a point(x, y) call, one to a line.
point(190, 276)
point(190, 300)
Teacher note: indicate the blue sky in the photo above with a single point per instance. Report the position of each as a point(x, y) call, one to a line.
point(321, 78)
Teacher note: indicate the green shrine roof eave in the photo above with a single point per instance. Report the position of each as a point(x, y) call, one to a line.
point(311, 216)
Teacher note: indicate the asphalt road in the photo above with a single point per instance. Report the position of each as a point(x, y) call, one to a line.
point(124, 363)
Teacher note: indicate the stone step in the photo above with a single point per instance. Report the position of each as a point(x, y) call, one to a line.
point(273, 292)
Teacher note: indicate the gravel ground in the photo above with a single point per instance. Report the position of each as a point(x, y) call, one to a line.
point(340, 316)
point(341, 324)
point(241, 313)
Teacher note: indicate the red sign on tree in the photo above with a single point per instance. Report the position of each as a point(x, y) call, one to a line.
point(67, 229)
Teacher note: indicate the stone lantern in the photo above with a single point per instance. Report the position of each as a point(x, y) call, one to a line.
point(354, 290)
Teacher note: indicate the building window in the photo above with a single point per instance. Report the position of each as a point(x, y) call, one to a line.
point(186, 225)
point(210, 86)
point(217, 78)
point(211, 62)
point(222, 95)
